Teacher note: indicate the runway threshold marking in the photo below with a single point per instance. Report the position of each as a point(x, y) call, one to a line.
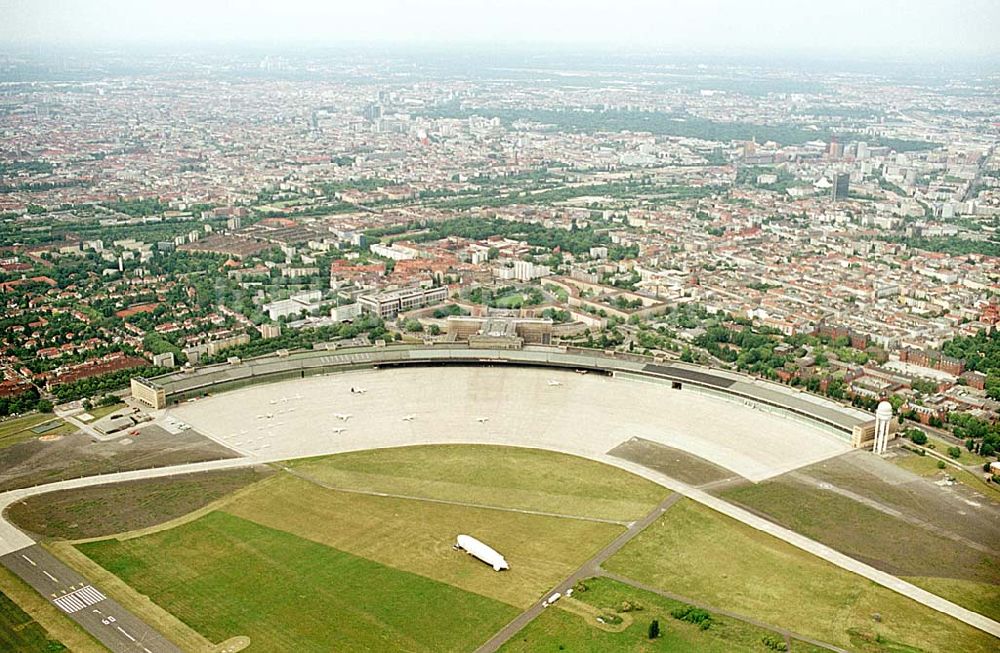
point(80, 599)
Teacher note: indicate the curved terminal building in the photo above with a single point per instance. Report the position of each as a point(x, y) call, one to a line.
point(577, 401)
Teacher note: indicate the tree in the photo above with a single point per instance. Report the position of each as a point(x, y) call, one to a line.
point(918, 436)
point(654, 629)
point(955, 452)
point(44, 406)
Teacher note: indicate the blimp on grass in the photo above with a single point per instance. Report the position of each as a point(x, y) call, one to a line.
point(484, 552)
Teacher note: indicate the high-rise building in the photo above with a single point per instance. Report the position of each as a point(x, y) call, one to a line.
point(841, 187)
point(373, 112)
point(836, 150)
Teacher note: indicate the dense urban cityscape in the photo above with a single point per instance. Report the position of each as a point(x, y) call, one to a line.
point(838, 232)
point(284, 329)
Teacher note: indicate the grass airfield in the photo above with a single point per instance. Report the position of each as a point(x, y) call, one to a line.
point(731, 566)
point(353, 552)
point(296, 565)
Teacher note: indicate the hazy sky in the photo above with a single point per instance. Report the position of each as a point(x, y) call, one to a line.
point(932, 27)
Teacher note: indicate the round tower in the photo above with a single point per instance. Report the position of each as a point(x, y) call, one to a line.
point(883, 418)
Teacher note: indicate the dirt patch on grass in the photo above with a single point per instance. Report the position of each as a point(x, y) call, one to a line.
point(122, 507)
point(672, 462)
point(34, 463)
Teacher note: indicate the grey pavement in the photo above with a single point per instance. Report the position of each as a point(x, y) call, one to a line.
point(104, 618)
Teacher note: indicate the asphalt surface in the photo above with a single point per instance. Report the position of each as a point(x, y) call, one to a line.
point(105, 619)
point(587, 570)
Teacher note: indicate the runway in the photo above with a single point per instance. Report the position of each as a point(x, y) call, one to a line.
point(105, 619)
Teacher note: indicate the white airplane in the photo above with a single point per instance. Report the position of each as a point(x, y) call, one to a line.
point(553, 382)
point(358, 391)
point(273, 402)
point(482, 420)
point(342, 417)
point(409, 418)
point(339, 430)
point(270, 415)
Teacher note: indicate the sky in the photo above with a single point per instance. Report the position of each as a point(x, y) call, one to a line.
point(935, 28)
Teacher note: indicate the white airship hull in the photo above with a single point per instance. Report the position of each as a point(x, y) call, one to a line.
point(482, 551)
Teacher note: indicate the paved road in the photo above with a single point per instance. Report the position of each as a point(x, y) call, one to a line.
point(587, 570)
point(110, 623)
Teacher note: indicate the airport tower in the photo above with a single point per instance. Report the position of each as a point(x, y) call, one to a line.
point(883, 418)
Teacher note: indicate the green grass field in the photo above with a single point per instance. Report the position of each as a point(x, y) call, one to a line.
point(297, 562)
point(22, 634)
point(18, 429)
point(105, 510)
point(385, 563)
point(713, 559)
point(101, 411)
point(559, 630)
point(417, 536)
point(927, 466)
point(867, 534)
point(225, 576)
point(529, 479)
point(966, 458)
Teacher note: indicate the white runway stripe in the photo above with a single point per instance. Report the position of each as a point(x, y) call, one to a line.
point(80, 599)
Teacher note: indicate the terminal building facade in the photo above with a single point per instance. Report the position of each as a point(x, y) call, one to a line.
point(391, 303)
